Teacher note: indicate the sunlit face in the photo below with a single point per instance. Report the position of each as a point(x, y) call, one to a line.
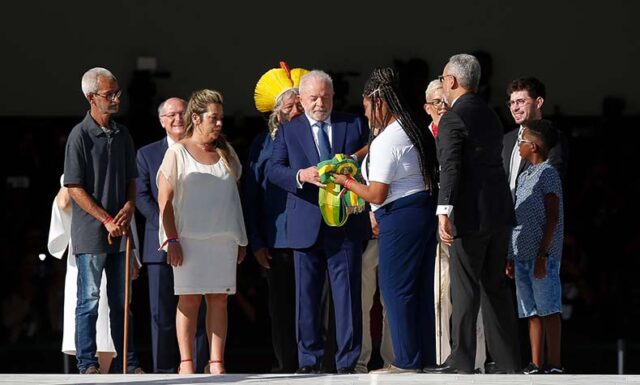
point(171, 118)
point(523, 107)
point(375, 118)
point(107, 99)
point(317, 99)
point(436, 105)
point(526, 145)
point(209, 123)
point(367, 104)
point(447, 82)
point(291, 108)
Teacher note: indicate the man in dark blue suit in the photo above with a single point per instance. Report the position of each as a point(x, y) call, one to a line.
point(300, 145)
point(162, 300)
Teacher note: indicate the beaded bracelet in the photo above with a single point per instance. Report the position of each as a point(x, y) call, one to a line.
point(107, 220)
point(169, 240)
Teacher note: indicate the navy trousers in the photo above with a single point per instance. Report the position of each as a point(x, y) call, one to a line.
point(407, 244)
point(341, 258)
point(164, 341)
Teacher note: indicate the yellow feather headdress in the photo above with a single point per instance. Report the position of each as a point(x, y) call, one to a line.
point(273, 83)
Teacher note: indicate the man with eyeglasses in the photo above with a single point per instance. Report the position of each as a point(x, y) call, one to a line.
point(526, 98)
point(162, 301)
point(100, 172)
point(436, 105)
point(475, 215)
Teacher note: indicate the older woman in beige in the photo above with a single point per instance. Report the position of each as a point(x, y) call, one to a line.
point(201, 225)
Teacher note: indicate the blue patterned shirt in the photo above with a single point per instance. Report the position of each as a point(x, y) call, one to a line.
point(533, 184)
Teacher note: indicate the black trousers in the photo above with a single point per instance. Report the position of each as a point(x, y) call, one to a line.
point(477, 277)
point(282, 309)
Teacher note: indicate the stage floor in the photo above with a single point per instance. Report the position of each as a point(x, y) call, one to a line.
point(355, 379)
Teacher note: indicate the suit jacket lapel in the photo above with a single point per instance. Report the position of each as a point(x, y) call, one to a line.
point(338, 136)
point(305, 136)
point(158, 156)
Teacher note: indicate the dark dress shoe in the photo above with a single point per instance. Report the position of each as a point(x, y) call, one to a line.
point(308, 369)
point(444, 369)
point(492, 368)
point(345, 371)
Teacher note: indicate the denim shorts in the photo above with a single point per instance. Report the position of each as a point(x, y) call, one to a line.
point(539, 297)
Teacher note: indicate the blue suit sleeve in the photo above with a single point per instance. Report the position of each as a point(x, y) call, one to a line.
point(363, 129)
point(253, 195)
point(145, 201)
point(280, 173)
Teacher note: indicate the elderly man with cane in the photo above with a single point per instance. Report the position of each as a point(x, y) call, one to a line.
point(100, 171)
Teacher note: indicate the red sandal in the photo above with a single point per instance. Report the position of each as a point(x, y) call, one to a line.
point(185, 360)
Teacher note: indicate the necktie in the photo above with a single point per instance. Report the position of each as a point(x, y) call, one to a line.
point(435, 130)
point(323, 142)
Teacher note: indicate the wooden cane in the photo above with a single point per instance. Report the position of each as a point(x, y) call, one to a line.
point(439, 304)
point(127, 278)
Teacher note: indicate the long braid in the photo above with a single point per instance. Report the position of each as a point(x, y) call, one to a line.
point(383, 84)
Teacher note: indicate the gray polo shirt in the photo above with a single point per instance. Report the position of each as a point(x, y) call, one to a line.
point(103, 164)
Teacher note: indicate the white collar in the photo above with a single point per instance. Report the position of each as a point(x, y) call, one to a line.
point(313, 122)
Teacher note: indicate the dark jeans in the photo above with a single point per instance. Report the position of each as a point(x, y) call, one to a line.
point(90, 268)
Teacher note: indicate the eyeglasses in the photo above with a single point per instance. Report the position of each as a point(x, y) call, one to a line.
point(111, 95)
point(442, 77)
point(517, 102)
point(172, 115)
point(521, 141)
point(437, 102)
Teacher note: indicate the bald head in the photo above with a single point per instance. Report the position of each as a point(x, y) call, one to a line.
point(170, 112)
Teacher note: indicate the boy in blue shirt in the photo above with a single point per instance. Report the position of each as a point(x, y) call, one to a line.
point(535, 250)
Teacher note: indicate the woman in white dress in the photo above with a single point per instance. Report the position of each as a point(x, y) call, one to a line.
point(201, 225)
point(59, 239)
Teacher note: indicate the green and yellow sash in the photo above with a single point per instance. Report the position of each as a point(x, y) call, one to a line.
point(335, 201)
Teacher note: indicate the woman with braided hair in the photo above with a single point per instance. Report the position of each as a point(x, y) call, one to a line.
point(400, 171)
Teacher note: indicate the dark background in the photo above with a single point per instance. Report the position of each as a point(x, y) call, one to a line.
point(588, 58)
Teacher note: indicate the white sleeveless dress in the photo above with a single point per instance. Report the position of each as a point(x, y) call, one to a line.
point(209, 221)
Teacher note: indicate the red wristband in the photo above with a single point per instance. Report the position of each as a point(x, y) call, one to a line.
point(346, 184)
point(107, 220)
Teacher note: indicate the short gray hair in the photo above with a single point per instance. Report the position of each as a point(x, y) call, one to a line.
point(315, 75)
point(466, 69)
point(432, 87)
point(90, 79)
